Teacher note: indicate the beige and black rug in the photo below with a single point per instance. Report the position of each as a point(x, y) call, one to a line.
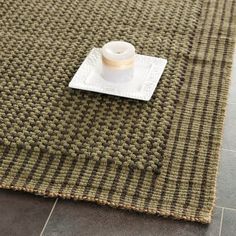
point(157, 157)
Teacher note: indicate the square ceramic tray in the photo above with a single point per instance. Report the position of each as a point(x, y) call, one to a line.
point(147, 73)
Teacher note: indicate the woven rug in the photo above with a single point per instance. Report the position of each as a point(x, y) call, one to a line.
point(157, 157)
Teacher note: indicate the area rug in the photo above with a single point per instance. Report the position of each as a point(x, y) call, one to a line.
point(157, 157)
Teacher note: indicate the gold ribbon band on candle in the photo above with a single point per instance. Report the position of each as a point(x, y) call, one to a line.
point(118, 64)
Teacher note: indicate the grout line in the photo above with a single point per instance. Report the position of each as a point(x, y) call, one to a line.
point(45, 225)
point(227, 208)
point(229, 150)
point(231, 103)
point(221, 221)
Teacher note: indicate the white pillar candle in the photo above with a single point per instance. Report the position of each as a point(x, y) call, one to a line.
point(118, 61)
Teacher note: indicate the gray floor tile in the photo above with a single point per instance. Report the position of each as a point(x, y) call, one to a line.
point(85, 219)
point(229, 223)
point(232, 91)
point(229, 138)
point(226, 184)
point(22, 213)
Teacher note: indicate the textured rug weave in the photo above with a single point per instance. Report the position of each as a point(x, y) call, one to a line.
point(157, 157)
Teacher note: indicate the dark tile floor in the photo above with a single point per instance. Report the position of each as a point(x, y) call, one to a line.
point(25, 214)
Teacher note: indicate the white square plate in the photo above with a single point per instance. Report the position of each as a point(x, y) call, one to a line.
point(147, 73)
